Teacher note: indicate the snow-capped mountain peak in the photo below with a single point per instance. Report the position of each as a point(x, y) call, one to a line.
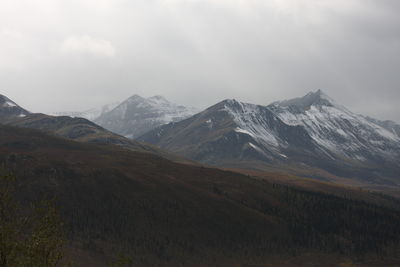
point(336, 129)
point(138, 114)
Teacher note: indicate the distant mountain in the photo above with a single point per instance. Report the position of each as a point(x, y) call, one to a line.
point(9, 109)
point(138, 115)
point(90, 114)
point(308, 132)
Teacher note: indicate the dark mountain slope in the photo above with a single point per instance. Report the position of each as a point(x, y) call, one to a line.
point(168, 214)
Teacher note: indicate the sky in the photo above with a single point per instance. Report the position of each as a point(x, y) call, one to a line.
point(72, 55)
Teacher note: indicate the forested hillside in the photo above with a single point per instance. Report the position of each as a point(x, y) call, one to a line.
point(163, 213)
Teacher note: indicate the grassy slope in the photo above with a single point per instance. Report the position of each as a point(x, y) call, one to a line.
point(173, 214)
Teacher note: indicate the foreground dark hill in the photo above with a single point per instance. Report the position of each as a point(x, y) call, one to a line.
point(308, 133)
point(168, 214)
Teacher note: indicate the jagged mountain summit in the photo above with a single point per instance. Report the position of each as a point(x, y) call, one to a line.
point(138, 115)
point(307, 132)
point(9, 109)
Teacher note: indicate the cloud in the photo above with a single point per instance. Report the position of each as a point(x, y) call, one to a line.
point(14, 50)
point(88, 45)
point(197, 52)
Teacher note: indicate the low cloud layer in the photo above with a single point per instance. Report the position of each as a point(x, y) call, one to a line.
point(60, 55)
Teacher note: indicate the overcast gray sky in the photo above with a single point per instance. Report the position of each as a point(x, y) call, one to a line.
point(67, 55)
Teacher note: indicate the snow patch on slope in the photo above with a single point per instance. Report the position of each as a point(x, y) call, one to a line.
point(249, 121)
point(239, 130)
point(210, 123)
point(9, 104)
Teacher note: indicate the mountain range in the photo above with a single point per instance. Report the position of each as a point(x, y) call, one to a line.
point(311, 135)
point(312, 131)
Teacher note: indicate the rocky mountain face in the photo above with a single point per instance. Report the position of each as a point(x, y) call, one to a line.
point(9, 109)
point(138, 115)
point(230, 130)
point(308, 132)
